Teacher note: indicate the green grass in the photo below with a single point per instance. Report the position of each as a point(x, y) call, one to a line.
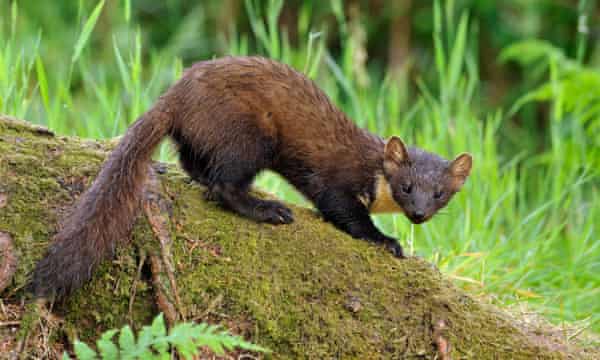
point(522, 230)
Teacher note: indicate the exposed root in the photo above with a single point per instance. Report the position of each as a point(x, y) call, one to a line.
point(8, 260)
point(162, 300)
point(156, 208)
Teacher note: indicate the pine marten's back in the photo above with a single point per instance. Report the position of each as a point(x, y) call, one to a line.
point(309, 130)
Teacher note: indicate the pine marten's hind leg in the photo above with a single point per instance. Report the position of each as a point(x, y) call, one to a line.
point(237, 199)
point(231, 190)
point(194, 164)
point(230, 170)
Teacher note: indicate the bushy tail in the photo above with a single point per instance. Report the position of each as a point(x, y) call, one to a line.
point(105, 213)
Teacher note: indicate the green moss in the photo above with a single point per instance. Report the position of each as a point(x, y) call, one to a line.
point(285, 287)
point(293, 282)
point(108, 305)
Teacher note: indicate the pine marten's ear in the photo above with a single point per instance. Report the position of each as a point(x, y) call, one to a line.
point(460, 168)
point(395, 152)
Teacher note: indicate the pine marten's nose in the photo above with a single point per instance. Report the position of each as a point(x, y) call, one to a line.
point(418, 216)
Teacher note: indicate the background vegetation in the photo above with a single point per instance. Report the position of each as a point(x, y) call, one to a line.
point(515, 83)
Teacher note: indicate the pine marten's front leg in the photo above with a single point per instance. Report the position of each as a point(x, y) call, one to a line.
point(350, 215)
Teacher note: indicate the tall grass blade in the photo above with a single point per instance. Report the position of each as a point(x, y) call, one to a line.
point(42, 82)
point(88, 27)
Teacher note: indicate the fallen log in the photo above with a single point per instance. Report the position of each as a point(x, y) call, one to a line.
point(303, 290)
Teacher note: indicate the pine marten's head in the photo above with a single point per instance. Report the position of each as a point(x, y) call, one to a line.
point(418, 182)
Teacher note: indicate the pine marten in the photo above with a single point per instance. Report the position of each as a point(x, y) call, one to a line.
point(231, 118)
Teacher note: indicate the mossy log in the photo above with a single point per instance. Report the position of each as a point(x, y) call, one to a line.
point(304, 290)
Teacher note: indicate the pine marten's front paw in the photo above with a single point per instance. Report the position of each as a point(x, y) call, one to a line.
point(392, 245)
point(273, 212)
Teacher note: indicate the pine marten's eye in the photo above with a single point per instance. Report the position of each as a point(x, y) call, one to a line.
point(438, 195)
point(407, 188)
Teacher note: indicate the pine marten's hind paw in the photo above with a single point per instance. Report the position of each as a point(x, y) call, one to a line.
point(273, 212)
point(210, 195)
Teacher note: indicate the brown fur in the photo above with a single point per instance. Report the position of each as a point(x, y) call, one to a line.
point(232, 117)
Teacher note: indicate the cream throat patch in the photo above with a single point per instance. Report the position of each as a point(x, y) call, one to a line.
point(384, 200)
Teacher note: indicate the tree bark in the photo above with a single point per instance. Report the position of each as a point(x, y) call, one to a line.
point(400, 33)
point(304, 290)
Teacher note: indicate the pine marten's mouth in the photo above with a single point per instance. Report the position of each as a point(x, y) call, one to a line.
point(418, 218)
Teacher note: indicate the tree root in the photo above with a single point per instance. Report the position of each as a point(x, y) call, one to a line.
point(172, 315)
point(156, 207)
point(8, 260)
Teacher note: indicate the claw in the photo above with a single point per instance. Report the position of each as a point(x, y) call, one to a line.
point(396, 250)
point(275, 213)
